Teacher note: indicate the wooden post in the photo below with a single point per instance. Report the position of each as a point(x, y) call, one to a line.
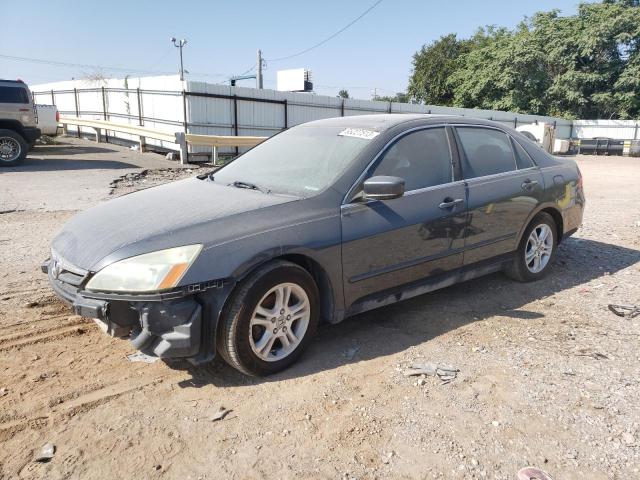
point(215, 155)
point(181, 140)
point(143, 144)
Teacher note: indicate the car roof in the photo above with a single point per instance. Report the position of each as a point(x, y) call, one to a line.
point(384, 121)
point(12, 83)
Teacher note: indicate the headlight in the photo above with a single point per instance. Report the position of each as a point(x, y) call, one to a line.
point(150, 272)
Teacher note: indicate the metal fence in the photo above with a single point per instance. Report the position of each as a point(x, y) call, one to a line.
point(203, 108)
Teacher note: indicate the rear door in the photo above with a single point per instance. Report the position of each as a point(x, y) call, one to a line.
point(503, 188)
point(388, 243)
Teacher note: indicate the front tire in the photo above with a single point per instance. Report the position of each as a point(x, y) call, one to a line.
point(270, 319)
point(536, 251)
point(13, 148)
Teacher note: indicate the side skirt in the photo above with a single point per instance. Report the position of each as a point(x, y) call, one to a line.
point(429, 284)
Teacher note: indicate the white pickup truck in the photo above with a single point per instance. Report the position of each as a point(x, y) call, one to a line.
point(48, 118)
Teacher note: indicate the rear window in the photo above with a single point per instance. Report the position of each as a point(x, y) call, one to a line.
point(487, 152)
point(523, 160)
point(13, 95)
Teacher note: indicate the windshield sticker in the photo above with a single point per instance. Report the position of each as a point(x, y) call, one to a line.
point(359, 133)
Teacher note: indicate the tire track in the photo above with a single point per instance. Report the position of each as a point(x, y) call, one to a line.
point(80, 403)
point(27, 323)
point(29, 330)
point(43, 336)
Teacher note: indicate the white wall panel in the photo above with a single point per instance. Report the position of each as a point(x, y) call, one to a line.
point(215, 116)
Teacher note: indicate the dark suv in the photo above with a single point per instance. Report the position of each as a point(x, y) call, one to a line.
point(18, 122)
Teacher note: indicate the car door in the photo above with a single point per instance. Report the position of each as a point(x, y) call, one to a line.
point(388, 243)
point(503, 188)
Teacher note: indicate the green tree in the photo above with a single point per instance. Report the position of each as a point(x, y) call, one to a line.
point(343, 94)
point(585, 65)
point(432, 65)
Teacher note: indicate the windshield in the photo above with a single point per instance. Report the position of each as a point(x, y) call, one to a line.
point(301, 161)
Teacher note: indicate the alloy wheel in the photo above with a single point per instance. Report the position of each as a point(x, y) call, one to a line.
point(9, 149)
point(279, 322)
point(539, 248)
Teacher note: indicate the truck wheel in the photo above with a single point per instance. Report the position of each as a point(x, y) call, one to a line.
point(13, 148)
point(270, 319)
point(536, 250)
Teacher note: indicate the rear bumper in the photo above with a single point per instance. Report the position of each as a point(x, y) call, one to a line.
point(169, 327)
point(31, 134)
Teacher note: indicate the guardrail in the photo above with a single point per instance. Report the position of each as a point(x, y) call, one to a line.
point(182, 139)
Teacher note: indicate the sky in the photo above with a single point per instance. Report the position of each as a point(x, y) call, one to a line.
point(372, 56)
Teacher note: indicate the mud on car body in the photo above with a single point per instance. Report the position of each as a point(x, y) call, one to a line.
point(318, 223)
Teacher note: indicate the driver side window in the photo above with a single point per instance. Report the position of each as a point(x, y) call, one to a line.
point(421, 158)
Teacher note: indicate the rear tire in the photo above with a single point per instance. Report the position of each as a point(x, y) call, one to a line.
point(13, 148)
point(536, 251)
point(269, 320)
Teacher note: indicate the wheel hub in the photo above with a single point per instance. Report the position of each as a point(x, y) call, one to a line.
point(539, 248)
point(279, 322)
point(9, 149)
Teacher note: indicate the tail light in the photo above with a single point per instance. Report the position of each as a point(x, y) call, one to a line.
point(57, 116)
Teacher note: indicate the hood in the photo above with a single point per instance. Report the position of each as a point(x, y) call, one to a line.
point(156, 213)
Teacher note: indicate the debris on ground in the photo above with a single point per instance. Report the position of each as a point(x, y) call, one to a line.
point(446, 373)
point(47, 452)
point(220, 414)
point(142, 357)
point(47, 140)
point(3, 391)
point(630, 311)
point(387, 457)
point(532, 473)
point(147, 178)
point(596, 355)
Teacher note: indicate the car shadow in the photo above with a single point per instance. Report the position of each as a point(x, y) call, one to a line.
point(66, 149)
point(57, 164)
point(392, 329)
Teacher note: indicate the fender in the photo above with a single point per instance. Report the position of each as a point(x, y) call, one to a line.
point(537, 210)
point(319, 263)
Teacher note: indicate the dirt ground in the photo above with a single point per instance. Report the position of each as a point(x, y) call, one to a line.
point(548, 376)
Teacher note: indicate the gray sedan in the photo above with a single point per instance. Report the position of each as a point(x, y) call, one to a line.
point(320, 222)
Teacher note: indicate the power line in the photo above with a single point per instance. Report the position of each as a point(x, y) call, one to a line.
point(330, 36)
point(99, 67)
point(247, 71)
point(157, 62)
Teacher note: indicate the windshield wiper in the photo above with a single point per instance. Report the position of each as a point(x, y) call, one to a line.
point(250, 186)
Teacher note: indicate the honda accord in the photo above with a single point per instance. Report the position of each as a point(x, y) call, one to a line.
point(318, 223)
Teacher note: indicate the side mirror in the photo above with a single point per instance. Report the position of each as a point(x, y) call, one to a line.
point(383, 188)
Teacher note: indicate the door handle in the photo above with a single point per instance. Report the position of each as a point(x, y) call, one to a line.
point(450, 203)
point(528, 184)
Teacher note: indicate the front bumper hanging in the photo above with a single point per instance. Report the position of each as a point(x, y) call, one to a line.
point(162, 325)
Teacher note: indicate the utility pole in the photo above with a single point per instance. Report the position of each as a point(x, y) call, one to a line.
point(259, 70)
point(179, 45)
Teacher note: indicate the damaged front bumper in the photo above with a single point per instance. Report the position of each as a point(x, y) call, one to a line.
point(166, 325)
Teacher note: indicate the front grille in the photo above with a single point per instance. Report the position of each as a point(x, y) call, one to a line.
point(65, 272)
